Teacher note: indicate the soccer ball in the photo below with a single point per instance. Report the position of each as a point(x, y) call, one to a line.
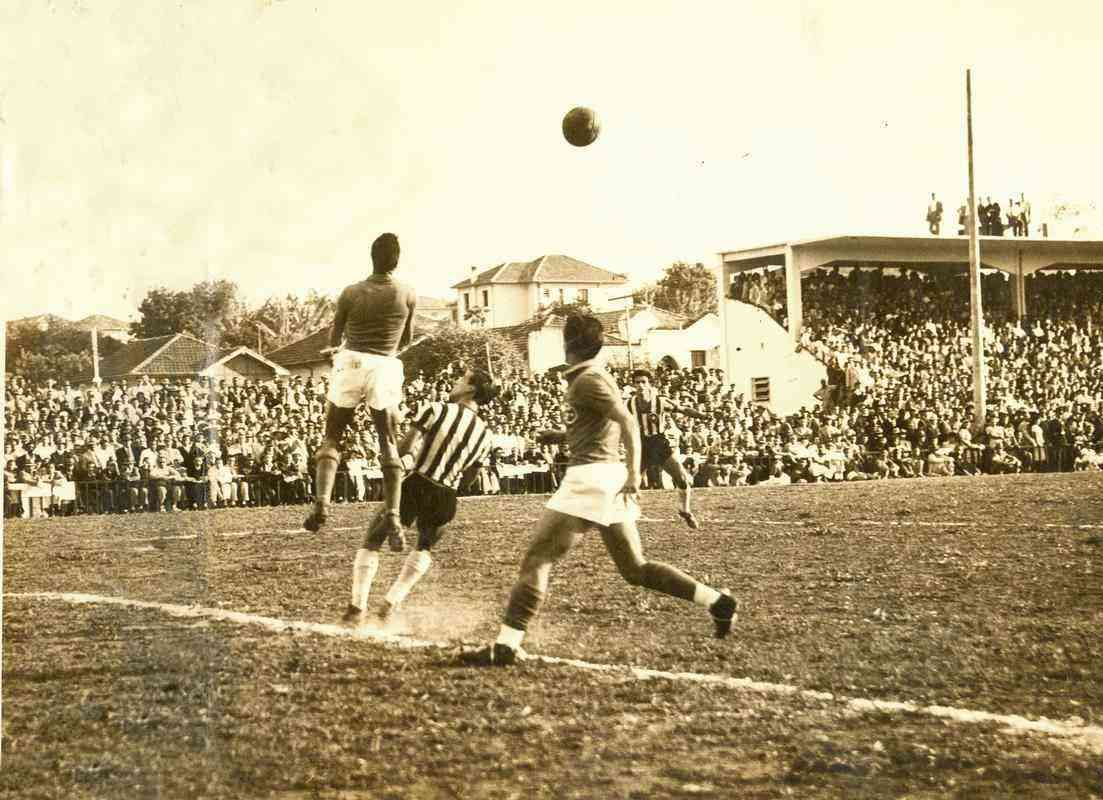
point(580, 126)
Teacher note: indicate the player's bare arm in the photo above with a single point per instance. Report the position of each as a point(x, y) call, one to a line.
point(408, 331)
point(551, 437)
point(689, 412)
point(337, 332)
point(630, 436)
point(410, 444)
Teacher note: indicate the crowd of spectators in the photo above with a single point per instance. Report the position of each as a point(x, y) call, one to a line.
point(992, 220)
point(899, 356)
point(897, 403)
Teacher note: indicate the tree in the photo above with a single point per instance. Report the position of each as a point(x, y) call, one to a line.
point(686, 289)
point(210, 311)
point(475, 316)
point(561, 309)
point(51, 348)
point(451, 345)
point(163, 312)
point(284, 320)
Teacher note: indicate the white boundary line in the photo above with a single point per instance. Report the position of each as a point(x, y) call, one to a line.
point(1087, 737)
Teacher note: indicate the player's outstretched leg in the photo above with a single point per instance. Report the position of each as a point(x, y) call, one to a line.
point(415, 566)
point(681, 480)
point(623, 543)
point(555, 533)
point(391, 466)
point(327, 458)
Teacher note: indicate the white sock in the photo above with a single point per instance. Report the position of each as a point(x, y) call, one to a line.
point(685, 499)
point(363, 573)
point(416, 565)
point(510, 637)
point(705, 595)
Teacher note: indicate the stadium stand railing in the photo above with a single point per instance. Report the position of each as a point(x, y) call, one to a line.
point(272, 489)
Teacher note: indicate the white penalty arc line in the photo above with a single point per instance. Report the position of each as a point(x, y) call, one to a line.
point(1088, 737)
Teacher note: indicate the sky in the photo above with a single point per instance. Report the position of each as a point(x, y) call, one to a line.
point(270, 141)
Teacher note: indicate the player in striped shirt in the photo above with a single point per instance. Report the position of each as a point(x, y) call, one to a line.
point(445, 443)
point(652, 412)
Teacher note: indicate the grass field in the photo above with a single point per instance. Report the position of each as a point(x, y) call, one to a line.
point(972, 609)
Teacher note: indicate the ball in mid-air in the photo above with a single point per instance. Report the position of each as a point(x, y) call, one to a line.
point(581, 126)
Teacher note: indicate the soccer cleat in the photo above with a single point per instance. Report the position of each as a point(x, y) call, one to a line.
point(315, 520)
point(495, 655)
point(690, 520)
point(396, 539)
point(723, 613)
point(352, 617)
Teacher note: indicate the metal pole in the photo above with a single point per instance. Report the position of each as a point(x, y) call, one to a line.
point(628, 336)
point(95, 357)
point(980, 410)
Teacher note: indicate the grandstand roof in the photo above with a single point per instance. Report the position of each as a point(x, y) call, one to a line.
point(546, 269)
point(998, 252)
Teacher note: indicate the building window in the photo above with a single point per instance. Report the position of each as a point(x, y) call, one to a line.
point(760, 390)
point(467, 301)
point(697, 359)
point(486, 297)
point(584, 296)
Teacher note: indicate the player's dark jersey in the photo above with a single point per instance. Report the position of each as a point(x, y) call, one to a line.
point(377, 311)
point(454, 439)
point(592, 396)
point(652, 411)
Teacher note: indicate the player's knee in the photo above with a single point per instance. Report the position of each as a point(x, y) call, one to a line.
point(679, 479)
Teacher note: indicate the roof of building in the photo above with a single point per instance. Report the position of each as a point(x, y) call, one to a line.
point(308, 350)
point(546, 269)
point(432, 304)
point(175, 354)
point(305, 351)
point(667, 320)
point(101, 322)
point(518, 334)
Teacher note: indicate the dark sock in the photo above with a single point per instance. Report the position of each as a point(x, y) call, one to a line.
point(664, 578)
point(524, 602)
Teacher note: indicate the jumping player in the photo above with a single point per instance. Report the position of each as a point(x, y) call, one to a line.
point(376, 318)
point(449, 439)
point(598, 491)
point(652, 412)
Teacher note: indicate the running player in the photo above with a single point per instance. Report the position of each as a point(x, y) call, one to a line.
point(653, 412)
point(376, 317)
point(449, 440)
point(598, 491)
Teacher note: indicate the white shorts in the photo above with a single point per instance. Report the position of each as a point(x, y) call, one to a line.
point(365, 377)
point(590, 492)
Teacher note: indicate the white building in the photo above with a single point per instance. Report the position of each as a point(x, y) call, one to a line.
point(514, 292)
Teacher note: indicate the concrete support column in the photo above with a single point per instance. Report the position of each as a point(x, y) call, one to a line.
point(1018, 295)
point(722, 279)
point(794, 310)
point(1019, 279)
